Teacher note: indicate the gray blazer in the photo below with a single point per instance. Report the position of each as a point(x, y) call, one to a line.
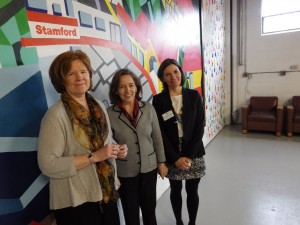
point(145, 145)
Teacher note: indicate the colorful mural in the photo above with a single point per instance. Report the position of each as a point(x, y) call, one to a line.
point(213, 42)
point(115, 34)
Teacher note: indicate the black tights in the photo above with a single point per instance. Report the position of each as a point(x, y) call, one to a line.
point(192, 201)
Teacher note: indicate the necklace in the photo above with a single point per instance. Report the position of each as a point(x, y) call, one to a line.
point(177, 107)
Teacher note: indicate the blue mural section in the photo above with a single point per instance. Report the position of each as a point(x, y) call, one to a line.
point(18, 205)
point(23, 108)
point(23, 190)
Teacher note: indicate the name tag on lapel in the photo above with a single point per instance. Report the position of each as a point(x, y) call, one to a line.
point(168, 115)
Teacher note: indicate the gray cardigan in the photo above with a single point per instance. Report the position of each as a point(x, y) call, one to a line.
point(57, 147)
point(145, 145)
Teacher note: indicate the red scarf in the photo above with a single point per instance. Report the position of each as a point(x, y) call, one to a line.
point(132, 119)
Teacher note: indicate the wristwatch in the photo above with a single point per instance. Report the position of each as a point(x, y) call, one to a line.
point(90, 157)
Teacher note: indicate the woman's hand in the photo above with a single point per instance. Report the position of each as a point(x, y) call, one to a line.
point(183, 163)
point(106, 152)
point(122, 153)
point(162, 170)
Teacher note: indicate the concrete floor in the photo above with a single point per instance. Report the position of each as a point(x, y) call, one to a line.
point(251, 179)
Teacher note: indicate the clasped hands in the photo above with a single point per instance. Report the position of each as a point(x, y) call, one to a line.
point(183, 163)
point(117, 151)
point(110, 151)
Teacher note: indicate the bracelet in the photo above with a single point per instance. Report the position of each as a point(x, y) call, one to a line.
point(90, 157)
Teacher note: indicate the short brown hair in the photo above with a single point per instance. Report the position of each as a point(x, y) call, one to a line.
point(61, 65)
point(163, 66)
point(113, 89)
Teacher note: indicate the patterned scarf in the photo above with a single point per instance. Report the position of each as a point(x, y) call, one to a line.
point(136, 109)
point(91, 131)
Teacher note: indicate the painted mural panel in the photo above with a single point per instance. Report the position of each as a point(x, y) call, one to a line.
point(115, 34)
point(213, 29)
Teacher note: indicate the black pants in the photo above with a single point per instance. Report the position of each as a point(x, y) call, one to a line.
point(192, 201)
point(139, 192)
point(89, 213)
point(110, 213)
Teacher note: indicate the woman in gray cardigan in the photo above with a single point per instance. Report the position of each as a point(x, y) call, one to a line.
point(76, 150)
point(135, 123)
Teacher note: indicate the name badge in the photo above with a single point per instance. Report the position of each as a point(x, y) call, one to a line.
point(168, 115)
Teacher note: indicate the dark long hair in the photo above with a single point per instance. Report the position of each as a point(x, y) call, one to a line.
point(163, 66)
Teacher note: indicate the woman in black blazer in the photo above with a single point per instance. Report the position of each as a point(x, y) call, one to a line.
point(181, 116)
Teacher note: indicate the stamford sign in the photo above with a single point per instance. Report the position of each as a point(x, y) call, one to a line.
point(49, 26)
point(62, 31)
point(44, 30)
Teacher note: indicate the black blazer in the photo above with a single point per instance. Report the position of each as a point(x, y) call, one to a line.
point(192, 122)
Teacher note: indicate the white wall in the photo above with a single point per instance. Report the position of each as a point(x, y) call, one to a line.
point(262, 54)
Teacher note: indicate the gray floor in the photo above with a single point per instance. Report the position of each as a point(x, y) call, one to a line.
point(251, 179)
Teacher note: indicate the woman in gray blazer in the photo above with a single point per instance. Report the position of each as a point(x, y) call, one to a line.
point(135, 123)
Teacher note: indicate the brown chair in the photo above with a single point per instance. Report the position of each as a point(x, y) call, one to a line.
point(262, 114)
point(293, 116)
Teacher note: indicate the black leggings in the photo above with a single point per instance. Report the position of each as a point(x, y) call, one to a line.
point(192, 201)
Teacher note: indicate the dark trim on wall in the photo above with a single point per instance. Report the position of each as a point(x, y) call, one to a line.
point(232, 121)
point(202, 59)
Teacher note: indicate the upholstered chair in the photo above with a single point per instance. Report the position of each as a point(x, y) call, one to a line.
point(262, 114)
point(293, 116)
